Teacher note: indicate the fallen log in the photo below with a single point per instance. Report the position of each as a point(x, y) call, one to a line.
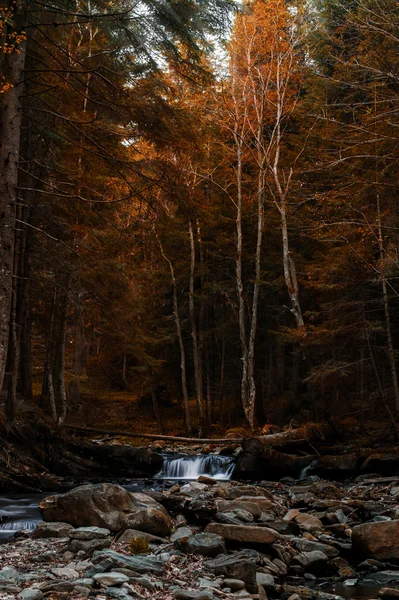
point(154, 436)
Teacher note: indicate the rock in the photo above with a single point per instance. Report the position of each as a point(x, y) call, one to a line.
point(244, 492)
point(181, 521)
point(241, 565)
point(195, 595)
point(8, 574)
point(388, 592)
point(335, 466)
point(305, 545)
point(89, 533)
point(139, 563)
point(30, 594)
point(87, 547)
point(193, 489)
point(111, 578)
point(266, 581)
point(82, 590)
point(182, 532)
point(52, 530)
point(283, 527)
point(228, 505)
point(291, 514)
point(205, 544)
point(311, 561)
point(207, 480)
point(234, 584)
point(65, 572)
point(109, 506)
point(130, 534)
point(309, 523)
point(377, 540)
point(241, 515)
point(243, 533)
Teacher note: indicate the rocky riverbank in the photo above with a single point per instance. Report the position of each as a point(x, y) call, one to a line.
point(208, 540)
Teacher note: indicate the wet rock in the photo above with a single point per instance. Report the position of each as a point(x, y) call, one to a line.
point(52, 530)
point(377, 540)
point(205, 544)
point(384, 577)
point(207, 480)
point(241, 565)
point(244, 533)
point(109, 506)
point(387, 592)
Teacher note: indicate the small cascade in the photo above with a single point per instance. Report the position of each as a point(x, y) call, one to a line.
point(191, 467)
point(17, 525)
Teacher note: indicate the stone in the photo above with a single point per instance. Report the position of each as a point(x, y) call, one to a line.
point(180, 521)
point(30, 594)
point(182, 532)
point(305, 545)
point(387, 592)
point(266, 581)
point(194, 595)
point(228, 505)
point(241, 565)
point(311, 561)
point(207, 480)
point(120, 593)
point(108, 506)
point(89, 533)
point(205, 544)
point(234, 584)
point(130, 534)
point(139, 563)
point(8, 574)
point(241, 515)
point(65, 572)
point(82, 590)
point(283, 527)
point(291, 514)
point(329, 465)
point(112, 578)
point(87, 547)
point(52, 530)
point(377, 540)
point(309, 523)
point(243, 533)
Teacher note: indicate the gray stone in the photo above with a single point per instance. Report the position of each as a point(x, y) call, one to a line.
point(83, 590)
point(228, 505)
point(89, 533)
point(111, 579)
point(139, 563)
point(205, 544)
point(241, 565)
point(266, 581)
point(182, 532)
point(234, 584)
point(313, 560)
point(52, 530)
point(30, 594)
point(89, 546)
point(305, 545)
point(120, 593)
point(65, 572)
point(241, 515)
point(194, 595)
point(8, 574)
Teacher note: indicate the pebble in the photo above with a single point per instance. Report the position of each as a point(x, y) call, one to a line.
point(111, 579)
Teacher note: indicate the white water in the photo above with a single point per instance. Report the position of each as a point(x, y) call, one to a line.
point(191, 467)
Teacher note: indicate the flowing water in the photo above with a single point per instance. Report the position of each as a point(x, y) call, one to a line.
point(19, 511)
point(192, 467)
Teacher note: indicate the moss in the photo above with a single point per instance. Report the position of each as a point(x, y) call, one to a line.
point(139, 546)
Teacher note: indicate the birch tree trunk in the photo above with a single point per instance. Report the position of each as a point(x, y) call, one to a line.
point(179, 337)
point(12, 68)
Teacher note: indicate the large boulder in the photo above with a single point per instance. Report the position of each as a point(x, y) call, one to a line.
point(377, 540)
point(107, 505)
point(336, 466)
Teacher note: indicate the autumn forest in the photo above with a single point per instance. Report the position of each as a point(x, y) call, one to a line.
point(199, 212)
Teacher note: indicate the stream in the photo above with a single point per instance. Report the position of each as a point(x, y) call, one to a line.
point(20, 511)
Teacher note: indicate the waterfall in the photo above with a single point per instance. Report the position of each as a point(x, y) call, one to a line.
point(17, 525)
point(191, 467)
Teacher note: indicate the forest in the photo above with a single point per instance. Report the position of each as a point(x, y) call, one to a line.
point(199, 213)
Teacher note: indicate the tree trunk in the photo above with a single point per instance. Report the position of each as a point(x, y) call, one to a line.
point(176, 314)
point(155, 402)
point(59, 356)
point(13, 65)
point(196, 357)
